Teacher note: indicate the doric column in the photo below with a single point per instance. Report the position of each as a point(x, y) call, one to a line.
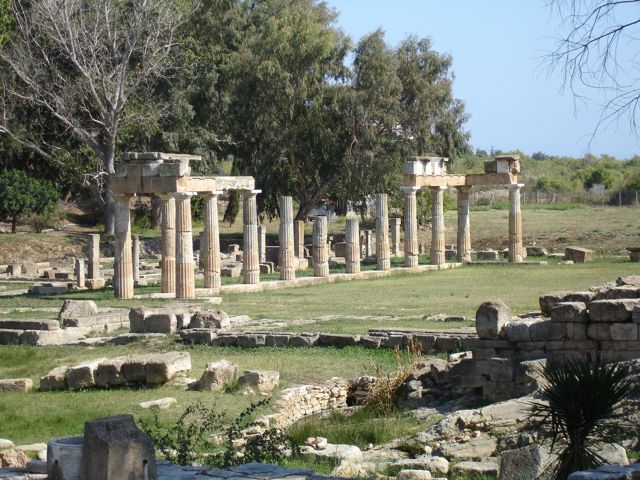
point(122, 271)
point(515, 224)
point(211, 252)
point(93, 252)
point(286, 257)
point(437, 225)
point(250, 253)
point(367, 243)
point(352, 251)
point(298, 238)
point(185, 276)
point(262, 243)
point(201, 253)
point(464, 225)
point(135, 260)
point(168, 243)
point(411, 252)
point(79, 271)
point(320, 250)
point(383, 257)
point(395, 223)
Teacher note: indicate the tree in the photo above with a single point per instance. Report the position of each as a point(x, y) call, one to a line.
point(598, 54)
point(600, 176)
point(21, 195)
point(91, 66)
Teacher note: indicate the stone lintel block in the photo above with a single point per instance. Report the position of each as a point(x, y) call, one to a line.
point(547, 330)
point(304, 340)
point(83, 374)
point(225, 339)
point(338, 339)
point(56, 379)
point(517, 330)
point(612, 310)
point(599, 331)
point(277, 340)
point(425, 341)
point(109, 373)
point(618, 293)
point(160, 323)
point(199, 336)
point(10, 336)
point(133, 368)
point(368, 341)
point(30, 324)
point(163, 367)
point(579, 254)
point(259, 380)
point(250, 340)
point(549, 300)
point(574, 312)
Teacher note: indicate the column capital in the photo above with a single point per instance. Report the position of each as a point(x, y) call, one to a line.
point(214, 193)
point(409, 188)
point(250, 192)
point(438, 187)
point(463, 188)
point(515, 186)
point(182, 195)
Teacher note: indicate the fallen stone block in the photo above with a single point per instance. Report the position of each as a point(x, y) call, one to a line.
point(618, 293)
point(56, 379)
point(338, 340)
point(575, 312)
point(524, 463)
point(109, 372)
point(95, 283)
point(73, 309)
point(82, 375)
point(491, 317)
point(16, 385)
point(549, 300)
point(38, 338)
point(163, 367)
point(134, 368)
point(547, 330)
point(198, 336)
point(30, 324)
point(304, 340)
point(488, 255)
point(251, 340)
point(259, 380)
point(47, 289)
point(277, 340)
point(160, 323)
point(579, 254)
point(612, 310)
point(218, 374)
point(472, 468)
point(217, 319)
point(535, 251)
point(231, 271)
point(10, 337)
point(160, 404)
point(624, 331)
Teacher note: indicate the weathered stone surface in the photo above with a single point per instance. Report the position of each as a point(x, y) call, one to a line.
point(479, 447)
point(218, 374)
point(109, 373)
point(16, 385)
point(635, 315)
point(217, 319)
point(613, 454)
point(12, 458)
point(72, 309)
point(612, 310)
point(160, 323)
point(535, 251)
point(199, 336)
point(303, 340)
point(259, 380)
point(547, 330)
point(624, 331)
point(56, 379)
point(338, 340)
point(6, 443)
point(163, 367)
point(414, 475)
point(251, 340)
point(618, 293)
point(524, 463)
point(518, 330)
point(115, 449)
point(161, 403)
point(335, 452)
point(574, 312)
point(10, 336)
point(82, 375)
point(30, 324)
point(491, 318)
point(469, 467)
point(579, 254)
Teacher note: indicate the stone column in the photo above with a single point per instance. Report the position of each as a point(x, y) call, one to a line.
point(320, 250)
point(395, 223)
point(410, 227)
point(185, 276)
point(93, 252)
point(122, 271)
point(286, 253)
point(168, 243)
point(135, 260)
point(367, 243)
point(250, 251)
point(383, 257)
point(298, 238)
point(352, 251)
point(515, 224)
point(202, 246)
point(464, 225)
point(79, 271)
point(437, 225)
point(211, 253)
point(262, 243)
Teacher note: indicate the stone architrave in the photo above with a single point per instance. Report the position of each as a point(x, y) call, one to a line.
point(135, 260)
point(411, 252)
point(395, 224)
point(320, 250)
point(515, 224)
point(211, 252)
point(168, 244)
point(286, 258)
point(262, 243)
point(250, 253)
point(437, 225)
point(93, 252)
point(122, 274)
point(79, 272)
point(298, 238)
point(352, 238)
point(463, 253)
point(383, 256)
point(185, 275)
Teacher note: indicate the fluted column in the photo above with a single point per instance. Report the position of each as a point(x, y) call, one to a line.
point(93, 252)
point(367, 243)
point(211, 252)
point(298, 238)
point(515, 224)
point(135, 248)
point(464, 226)
point(122, 266)
point(286, 257)
point(168, 243)
point(395, 223)
point(185, 276)
point(262, 243)
point(411, 252)
point(79, 271)
point(250, 251)
point(320, 250)
point(352, 251)
point(437, 225)
point(383, 257)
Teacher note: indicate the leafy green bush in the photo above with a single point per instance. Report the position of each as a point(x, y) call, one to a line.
point(580, 410)
point(21, 195)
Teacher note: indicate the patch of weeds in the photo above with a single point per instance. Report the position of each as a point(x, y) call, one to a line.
point(411, 446)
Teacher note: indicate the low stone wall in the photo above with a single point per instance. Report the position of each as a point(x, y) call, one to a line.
point(609, 472)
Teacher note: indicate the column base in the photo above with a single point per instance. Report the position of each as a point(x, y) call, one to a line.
point(411, 261)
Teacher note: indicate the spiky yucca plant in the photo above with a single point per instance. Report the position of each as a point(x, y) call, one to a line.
point(580, 410)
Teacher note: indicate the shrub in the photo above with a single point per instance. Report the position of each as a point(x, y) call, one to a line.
point(580, 411)
point(21, 195)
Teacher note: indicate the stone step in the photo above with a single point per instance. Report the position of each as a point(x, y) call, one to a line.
point(29, 324)
point(103, 318)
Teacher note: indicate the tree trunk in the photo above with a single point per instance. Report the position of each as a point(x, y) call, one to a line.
point(109, 205)
point(14, 222)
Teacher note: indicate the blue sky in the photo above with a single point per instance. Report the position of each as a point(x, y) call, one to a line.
point(497, 48)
